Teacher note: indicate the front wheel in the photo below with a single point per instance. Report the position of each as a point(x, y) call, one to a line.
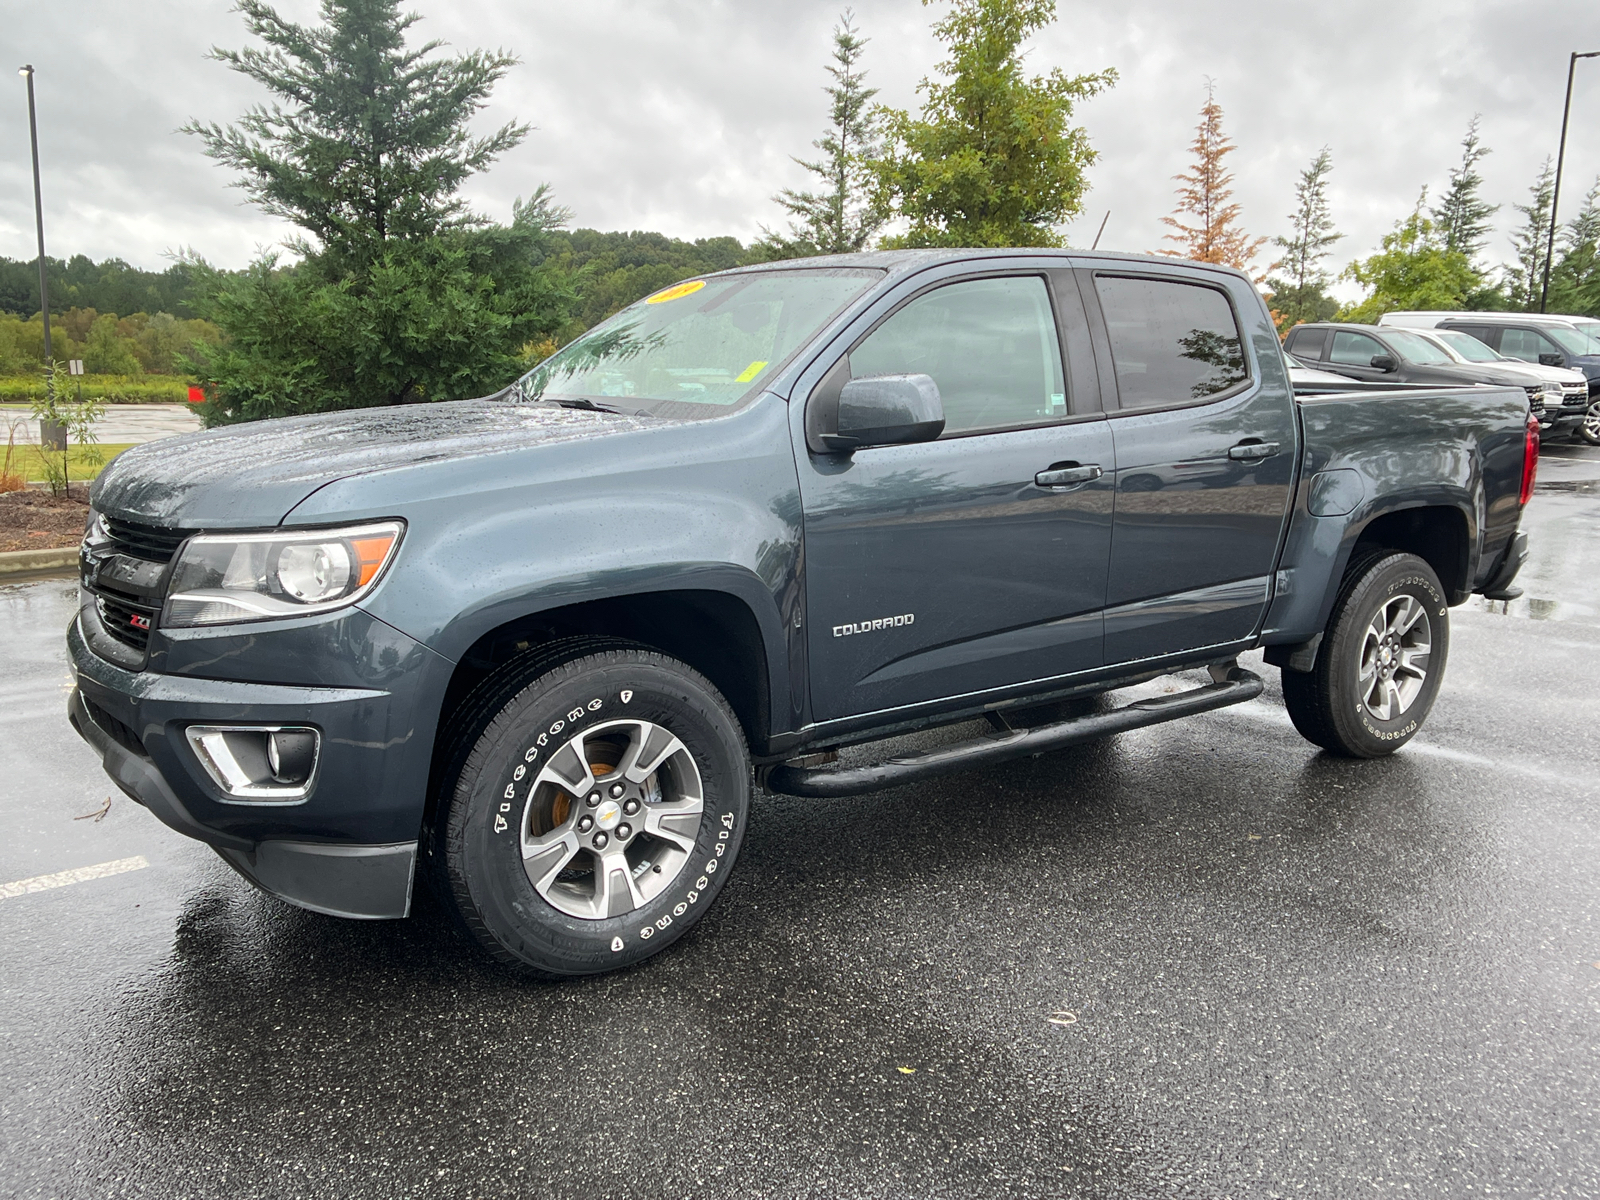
point(598, 811)
point(1589, 428)
point(1381, 661)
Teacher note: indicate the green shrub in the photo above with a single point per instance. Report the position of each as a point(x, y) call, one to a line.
point(108, 389)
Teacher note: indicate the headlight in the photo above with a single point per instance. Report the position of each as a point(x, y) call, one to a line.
point(220, 578)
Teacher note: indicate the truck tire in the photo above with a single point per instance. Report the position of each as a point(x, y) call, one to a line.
point(1381, 660)
point(1589, 428)
point(592, 809)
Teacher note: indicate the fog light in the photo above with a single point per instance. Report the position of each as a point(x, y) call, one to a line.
point(258, 764)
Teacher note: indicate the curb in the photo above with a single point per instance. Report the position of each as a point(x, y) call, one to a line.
point(35, 562)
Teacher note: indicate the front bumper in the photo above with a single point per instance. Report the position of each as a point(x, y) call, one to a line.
point(348, 848)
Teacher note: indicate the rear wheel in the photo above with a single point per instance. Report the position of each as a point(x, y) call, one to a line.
point(1380, 663)
point(597, 811)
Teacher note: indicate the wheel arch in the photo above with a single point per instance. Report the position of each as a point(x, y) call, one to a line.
point(714, 631)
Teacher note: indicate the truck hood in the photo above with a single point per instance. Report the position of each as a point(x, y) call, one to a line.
point(253, 474)
point(1506, 374)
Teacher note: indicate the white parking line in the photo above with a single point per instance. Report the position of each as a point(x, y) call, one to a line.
point(43, 883)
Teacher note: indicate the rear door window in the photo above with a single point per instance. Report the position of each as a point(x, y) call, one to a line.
point(1526, 344)
point(1171, 342)
point(990, 345)
point(1307, 343)
point(1353, 349)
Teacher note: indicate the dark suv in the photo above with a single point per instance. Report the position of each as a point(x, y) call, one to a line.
point(1536, 340)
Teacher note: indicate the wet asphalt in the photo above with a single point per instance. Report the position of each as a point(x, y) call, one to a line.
point(1200, 960)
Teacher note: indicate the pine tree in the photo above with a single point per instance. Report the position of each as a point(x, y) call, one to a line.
point(1302, 293)
point(992, 159)
point(1213, 236)
point(401, 294)
point(374, 142)
point(841, 219)
point(1526, 277)
point(1462, 216)
point(1575, 277)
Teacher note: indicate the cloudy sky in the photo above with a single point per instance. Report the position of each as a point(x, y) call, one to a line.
point(681, 115)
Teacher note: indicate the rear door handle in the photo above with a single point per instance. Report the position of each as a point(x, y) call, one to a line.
point(1058, 477)
point(1250, 451)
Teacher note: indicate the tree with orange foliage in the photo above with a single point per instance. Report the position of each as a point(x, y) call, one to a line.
point(1206, 223)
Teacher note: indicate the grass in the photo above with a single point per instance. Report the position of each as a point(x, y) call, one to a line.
point(28, 461)
point(113, 389)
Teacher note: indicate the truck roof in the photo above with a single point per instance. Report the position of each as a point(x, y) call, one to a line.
point(904, 262)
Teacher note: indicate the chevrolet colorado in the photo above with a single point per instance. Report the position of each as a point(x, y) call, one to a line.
point(541, 647)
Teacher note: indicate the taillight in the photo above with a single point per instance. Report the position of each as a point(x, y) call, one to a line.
point(1530, 459)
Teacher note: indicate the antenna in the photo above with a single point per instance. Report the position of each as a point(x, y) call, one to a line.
point(1103, 221)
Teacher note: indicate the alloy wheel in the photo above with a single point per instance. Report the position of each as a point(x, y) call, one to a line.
point(611, 819)
point(1394, 658)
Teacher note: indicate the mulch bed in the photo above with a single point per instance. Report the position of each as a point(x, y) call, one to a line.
point(33, 519)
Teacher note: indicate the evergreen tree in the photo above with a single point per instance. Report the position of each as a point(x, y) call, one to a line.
point(1462, 216)
point(1526, 277)
point(402, 293)
point(1575, 277)
point(1301, 294)
point(840, 219)
point(374, 143)
point(1206, 223)
point(992, 159)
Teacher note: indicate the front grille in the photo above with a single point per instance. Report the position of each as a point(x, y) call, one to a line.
point(1574, 393)
point(145, 541)
point(1535, 400)
point(127, 622)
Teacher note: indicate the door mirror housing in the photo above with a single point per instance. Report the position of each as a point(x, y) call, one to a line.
point(1384, 362)
point(1552, 360)
point(886, 410)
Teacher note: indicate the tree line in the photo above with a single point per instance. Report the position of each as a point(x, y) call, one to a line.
point(1433, 258)
point(393, 291)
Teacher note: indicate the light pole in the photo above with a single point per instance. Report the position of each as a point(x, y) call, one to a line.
point(1555, 200)
point(38, 211)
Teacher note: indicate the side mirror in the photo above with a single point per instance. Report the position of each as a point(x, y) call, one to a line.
point(1384, 362)
point(1552, 360)
point(887, 410)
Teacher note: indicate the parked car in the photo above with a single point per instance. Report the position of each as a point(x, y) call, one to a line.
point(1555, 342)
point(1546, 338)
point(1574, 397)
point(1430, 319)
point(1373, 353)
point(539, 648)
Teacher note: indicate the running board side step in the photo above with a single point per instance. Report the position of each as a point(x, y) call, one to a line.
point(1235, 686)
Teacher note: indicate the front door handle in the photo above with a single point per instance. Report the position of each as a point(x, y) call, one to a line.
point(1251, 451)
point(1060, 477)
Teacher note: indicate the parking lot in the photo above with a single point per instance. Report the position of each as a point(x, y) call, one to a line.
point(1197, 960)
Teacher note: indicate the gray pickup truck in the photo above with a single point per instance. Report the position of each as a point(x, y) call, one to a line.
point(540, 648)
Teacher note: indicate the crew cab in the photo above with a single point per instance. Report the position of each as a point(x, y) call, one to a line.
point(541, 648)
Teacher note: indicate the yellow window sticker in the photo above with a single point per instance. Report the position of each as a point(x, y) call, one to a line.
point(677, 292)
point(751, 371)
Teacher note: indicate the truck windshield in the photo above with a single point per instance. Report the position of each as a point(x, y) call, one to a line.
point(697, 347)
point(1467, 346)
point(1416, 349)
point(1571, 340)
